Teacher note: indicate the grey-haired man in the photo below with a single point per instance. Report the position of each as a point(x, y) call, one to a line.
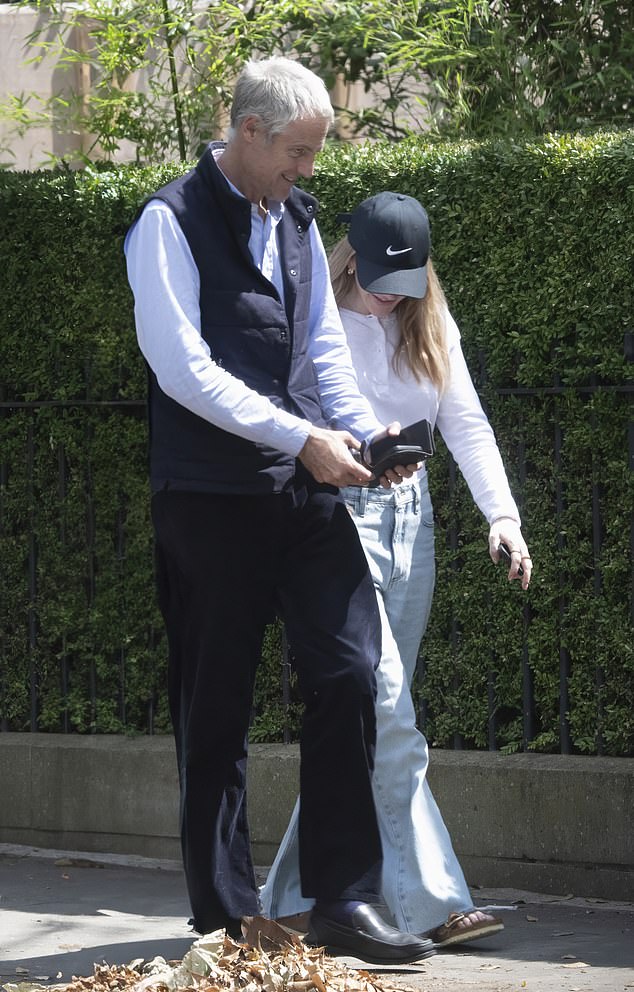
point(248, 370)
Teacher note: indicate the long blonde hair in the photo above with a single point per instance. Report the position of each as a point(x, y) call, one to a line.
point(422, 346)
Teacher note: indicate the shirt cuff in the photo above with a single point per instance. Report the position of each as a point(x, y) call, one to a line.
point(289, 433)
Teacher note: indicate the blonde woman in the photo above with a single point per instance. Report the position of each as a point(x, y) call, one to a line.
point(406, 352)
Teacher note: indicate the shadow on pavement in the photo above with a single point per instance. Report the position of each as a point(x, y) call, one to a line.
point(81, 962)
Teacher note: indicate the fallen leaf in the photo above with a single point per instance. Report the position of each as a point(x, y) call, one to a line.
point(257, 928)
point(318, 981)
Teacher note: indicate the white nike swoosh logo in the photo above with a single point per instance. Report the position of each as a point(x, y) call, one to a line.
point(392, 251)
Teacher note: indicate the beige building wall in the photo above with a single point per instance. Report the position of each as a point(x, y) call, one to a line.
point(22, 80)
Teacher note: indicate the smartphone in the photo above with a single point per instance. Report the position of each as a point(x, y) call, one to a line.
point(505, 558)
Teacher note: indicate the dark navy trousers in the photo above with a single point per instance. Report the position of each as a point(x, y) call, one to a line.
point(226, 565)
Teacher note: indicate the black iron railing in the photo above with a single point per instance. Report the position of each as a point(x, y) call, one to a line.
point(136, 408)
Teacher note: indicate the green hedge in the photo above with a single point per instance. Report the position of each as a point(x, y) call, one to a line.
point(534, 244)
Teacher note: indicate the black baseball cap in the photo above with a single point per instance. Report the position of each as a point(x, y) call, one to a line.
point(390, 235)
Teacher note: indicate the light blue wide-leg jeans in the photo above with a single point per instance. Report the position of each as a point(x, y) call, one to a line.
point(422, 880)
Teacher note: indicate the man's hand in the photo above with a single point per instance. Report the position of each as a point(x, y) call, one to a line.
point(326, 454)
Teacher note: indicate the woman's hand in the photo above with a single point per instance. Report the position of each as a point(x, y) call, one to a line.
point(396, 474)
point(507, 531)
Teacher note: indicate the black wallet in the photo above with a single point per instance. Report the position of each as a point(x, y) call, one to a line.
point(415, 443)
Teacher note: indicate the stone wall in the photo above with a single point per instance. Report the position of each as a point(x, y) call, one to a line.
point(547, 823)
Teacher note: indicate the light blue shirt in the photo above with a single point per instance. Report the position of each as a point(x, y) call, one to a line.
point(166, 286)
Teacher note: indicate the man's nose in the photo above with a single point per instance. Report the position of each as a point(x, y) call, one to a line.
point(307, 166)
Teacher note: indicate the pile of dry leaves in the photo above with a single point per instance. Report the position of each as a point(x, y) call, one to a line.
point(272, 959)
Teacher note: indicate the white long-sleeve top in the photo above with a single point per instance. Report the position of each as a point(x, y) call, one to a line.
point(166, 285)
point(456, 412)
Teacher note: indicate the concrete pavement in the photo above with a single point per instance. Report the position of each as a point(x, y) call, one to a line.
point(61, 913)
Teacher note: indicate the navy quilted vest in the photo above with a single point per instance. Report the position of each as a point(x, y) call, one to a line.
point(250, 332)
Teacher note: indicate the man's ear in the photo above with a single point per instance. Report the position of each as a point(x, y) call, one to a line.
point(250, 127)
